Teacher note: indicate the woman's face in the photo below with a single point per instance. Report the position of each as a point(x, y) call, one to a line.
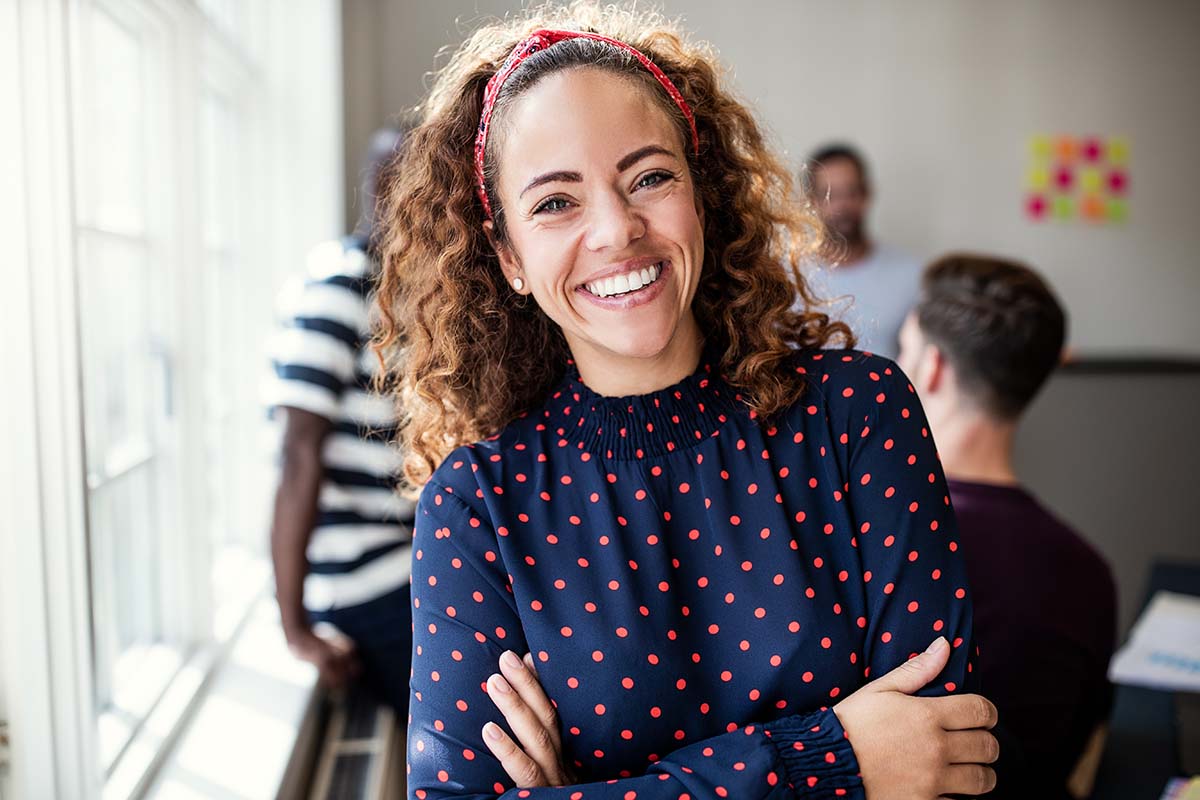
point(603, 222)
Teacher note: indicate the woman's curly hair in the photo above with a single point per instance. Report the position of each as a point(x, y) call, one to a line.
point(464, 354)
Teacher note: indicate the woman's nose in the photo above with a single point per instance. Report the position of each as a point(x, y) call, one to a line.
point(614, 223)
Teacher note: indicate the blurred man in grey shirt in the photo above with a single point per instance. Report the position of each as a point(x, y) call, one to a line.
point(875, 284)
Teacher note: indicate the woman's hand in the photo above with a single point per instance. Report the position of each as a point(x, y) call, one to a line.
point(920, 747)
point(537, 760)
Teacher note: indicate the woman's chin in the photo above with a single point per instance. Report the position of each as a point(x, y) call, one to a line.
point(635, 344)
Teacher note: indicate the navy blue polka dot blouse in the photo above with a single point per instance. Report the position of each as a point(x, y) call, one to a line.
point(697, 587)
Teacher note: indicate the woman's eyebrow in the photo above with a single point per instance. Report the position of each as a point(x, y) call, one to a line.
point(549, 177)
point(642, 152)
point(574, 177)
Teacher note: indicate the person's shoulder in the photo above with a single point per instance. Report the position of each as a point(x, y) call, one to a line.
point(1084, 558)
point(334, 286)
point(896, 257)
point(847, 381)
point(455, 475)
point(470, 467)
point(846, 366)
point(337, 261)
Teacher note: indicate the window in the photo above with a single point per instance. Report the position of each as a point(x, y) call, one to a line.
point(155, 215)
point(128, 348)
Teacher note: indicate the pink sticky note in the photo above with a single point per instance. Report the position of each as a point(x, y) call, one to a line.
point(1063, 178)
point(1035, 207)
point(1118, 181)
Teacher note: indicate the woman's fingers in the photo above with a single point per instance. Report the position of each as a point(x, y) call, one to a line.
point(915, 673)
point(968, 779)
point(971, 747)
point(963, 712)
point(524, 771)
point(535, 741)
point(525, 681)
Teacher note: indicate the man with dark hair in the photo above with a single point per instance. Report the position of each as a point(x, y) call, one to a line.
point(983, 338)
point(880, 282)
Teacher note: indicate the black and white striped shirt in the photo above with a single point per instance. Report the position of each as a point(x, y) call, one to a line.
point(361, 546)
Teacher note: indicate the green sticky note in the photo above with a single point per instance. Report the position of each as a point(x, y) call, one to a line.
point(1064, 208)
point(1118, 210)
point(1089, 179)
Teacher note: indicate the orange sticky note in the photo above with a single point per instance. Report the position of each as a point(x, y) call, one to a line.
point(1093, 208)
point(1066, 148)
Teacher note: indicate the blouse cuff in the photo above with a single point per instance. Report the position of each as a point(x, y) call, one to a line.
point(817, 754)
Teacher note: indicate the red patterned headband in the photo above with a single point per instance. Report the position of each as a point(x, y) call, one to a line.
point(540, 40)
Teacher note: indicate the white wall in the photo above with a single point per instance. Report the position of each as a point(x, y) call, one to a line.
point(943, 96)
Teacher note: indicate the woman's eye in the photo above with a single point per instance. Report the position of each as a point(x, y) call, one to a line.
point(653, 179)
point(553, 204)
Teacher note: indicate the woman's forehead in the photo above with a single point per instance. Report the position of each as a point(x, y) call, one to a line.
point(580, 118)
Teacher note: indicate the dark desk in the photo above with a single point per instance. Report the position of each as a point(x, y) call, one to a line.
point(1142, 752)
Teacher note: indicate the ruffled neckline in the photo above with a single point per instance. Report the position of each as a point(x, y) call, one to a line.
point(674, 418)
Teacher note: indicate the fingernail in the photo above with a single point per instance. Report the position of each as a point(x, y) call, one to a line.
point(936, 645)
point(492, 731)
point(500, 685)
point(510, 660)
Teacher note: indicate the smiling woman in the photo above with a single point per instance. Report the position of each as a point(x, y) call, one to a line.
point(661, 528)
point(479, 353)
point(627, 205)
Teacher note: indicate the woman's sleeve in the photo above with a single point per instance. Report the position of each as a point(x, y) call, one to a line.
point(916, 588)
point(464, 617)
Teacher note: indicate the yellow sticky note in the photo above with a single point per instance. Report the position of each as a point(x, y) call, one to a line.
point(1038, 178)
point(1039, 148)
point(1118, 150)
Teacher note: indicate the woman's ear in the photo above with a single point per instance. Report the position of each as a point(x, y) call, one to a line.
point(510, 265)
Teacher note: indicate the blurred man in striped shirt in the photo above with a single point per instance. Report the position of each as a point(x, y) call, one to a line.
point(341, 537)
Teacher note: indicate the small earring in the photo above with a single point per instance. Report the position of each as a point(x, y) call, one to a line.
point(518, 284)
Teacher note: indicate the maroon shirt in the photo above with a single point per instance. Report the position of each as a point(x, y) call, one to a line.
point(1045, 621)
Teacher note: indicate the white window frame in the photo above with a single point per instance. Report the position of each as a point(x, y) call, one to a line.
point(47, 649)
point(43, 589)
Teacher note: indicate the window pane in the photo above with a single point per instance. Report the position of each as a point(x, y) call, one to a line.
point(114, 133)
point(222, 316)
point(119, 352)
point(219, 149)
point(124, 314)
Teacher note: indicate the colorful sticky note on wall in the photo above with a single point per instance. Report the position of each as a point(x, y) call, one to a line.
point(1077, 177)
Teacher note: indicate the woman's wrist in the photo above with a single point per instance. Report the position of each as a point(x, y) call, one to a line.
point(816, 753)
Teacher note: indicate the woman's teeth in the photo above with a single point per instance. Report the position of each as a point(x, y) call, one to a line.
point(629, 282)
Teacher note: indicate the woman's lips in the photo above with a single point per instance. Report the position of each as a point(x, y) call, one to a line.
point(633, 298)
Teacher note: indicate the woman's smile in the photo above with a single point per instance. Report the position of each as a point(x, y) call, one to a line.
point(633, 286)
